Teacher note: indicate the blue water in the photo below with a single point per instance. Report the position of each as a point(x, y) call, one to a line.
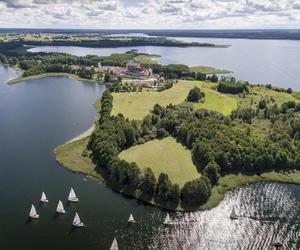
point(257, 61)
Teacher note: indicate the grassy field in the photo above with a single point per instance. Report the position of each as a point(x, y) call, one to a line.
point(159, 156)
point(214, 101)
point(136, 105)
point(69, 155)
point(146, 59)
point(208, 70)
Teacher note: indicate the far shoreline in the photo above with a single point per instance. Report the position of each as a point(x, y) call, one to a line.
point(20, 78)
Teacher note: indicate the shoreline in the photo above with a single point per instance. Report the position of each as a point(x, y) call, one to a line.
point(20, 78)
point(69, 155)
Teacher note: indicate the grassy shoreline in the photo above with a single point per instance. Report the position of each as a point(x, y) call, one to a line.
point(209, 70)
point(70, 156)
point(34, 77)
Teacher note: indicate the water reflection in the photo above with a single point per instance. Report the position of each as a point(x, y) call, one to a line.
point(268, 213)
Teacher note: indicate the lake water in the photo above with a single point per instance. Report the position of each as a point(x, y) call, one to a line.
point(36, 116)
point(257, 61)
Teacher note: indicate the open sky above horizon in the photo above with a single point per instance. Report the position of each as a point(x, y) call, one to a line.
point(150, 14)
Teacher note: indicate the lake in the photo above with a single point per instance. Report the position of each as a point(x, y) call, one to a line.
point(38, 115)
point(257, 61)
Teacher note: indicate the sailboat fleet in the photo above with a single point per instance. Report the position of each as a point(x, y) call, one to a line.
point(78, 223)
point(59, 209)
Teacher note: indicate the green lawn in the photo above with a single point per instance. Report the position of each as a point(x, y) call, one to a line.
point(165, 156)
point(136, 105)
point(214, 101)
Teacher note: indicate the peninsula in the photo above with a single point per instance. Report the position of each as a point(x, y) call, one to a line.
point(234, 135)
point(173, 136)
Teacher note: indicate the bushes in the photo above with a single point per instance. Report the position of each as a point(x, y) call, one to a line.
point(195, 95)
point(195, 193)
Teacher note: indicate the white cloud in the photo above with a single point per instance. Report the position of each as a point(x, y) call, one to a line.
point(150, 13)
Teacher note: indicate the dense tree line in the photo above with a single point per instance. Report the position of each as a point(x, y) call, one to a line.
point(232, 87)
point(106, 42)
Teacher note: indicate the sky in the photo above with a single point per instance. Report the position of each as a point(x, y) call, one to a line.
point(150, 14)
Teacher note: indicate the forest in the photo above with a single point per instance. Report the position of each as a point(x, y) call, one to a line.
point(219, 144)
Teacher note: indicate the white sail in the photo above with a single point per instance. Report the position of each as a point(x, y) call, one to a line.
point(72, 196)
point(60, 208)
point(167, 219)
point(44, 198)
point(131, 219)
point(114, 245)
point(77, 222)
point(233, 214)
point(33, 214)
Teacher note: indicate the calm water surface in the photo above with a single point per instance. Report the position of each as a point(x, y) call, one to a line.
point(36, 116)
point(256, 61)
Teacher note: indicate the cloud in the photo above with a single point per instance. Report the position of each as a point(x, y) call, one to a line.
point(150, 13)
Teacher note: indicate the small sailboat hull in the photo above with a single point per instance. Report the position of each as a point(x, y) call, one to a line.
point(73, 199)
point(277, 244)
point(34, 217)
point(78, 225)
point(60, 211)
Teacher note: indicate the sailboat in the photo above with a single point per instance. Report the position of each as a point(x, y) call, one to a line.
point(167, 220)
point(77, 222)
point(72, 196)
point(44, 198)
point(114, 245)
point(131, 219)
point(60, 208)
point(233, 215)
point(33, 214)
